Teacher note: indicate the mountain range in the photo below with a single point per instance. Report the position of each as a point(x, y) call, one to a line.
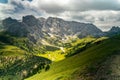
point(38, 29)
point(55, 49)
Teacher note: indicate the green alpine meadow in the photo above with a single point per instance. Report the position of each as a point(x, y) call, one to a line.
point(59, 39)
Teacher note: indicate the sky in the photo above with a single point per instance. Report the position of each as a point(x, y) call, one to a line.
point(103, 13)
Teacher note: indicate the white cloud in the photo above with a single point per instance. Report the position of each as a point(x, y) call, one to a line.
point(103, 13)
point(4, 9)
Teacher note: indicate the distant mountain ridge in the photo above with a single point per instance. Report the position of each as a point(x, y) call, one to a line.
point(36, 29)
point(115, 30)
point(52, 30)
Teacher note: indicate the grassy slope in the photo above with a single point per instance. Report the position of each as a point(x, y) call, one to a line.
point(53, 56)
point(9, 50)
point(70, 49)
point(72, 67)
point(15, 62)
point(110, 69)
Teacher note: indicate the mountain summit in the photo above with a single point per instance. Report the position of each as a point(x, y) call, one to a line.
point(36, 29)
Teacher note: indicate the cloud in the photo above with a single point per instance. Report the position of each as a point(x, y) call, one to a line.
point(103, 19)
point(18, 8)
point(58, 6)
point(103, 13)
point(85, 5)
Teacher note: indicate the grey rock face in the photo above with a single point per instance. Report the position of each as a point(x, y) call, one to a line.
point(60, 27)
point(115, 30)
point(36, 29)
point(14, 27)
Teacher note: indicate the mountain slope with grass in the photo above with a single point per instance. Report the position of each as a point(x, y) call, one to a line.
point(49, 33)
point(54, 49)
point(84, 65)
point(16, 63)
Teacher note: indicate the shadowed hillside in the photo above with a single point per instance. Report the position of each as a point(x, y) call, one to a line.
point(82, 66)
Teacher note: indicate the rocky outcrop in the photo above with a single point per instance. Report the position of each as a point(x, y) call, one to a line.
point(14, 27)
point(115, 30)
point(60, 27)
point(36, 29)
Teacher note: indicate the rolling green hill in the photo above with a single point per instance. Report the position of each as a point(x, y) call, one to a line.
point(82, 66)
point(16, 63)
point(78, 60)
point(55, 49)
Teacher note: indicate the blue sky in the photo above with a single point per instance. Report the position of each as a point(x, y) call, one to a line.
point(6, 1)
point(102, 13)
point(3, 1)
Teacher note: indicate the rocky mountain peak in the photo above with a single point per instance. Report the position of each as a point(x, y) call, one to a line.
point(8, 21)
point(30, 20)
point(39, 28)
point(115, 29)
point(54, 21)
point(14, 27)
